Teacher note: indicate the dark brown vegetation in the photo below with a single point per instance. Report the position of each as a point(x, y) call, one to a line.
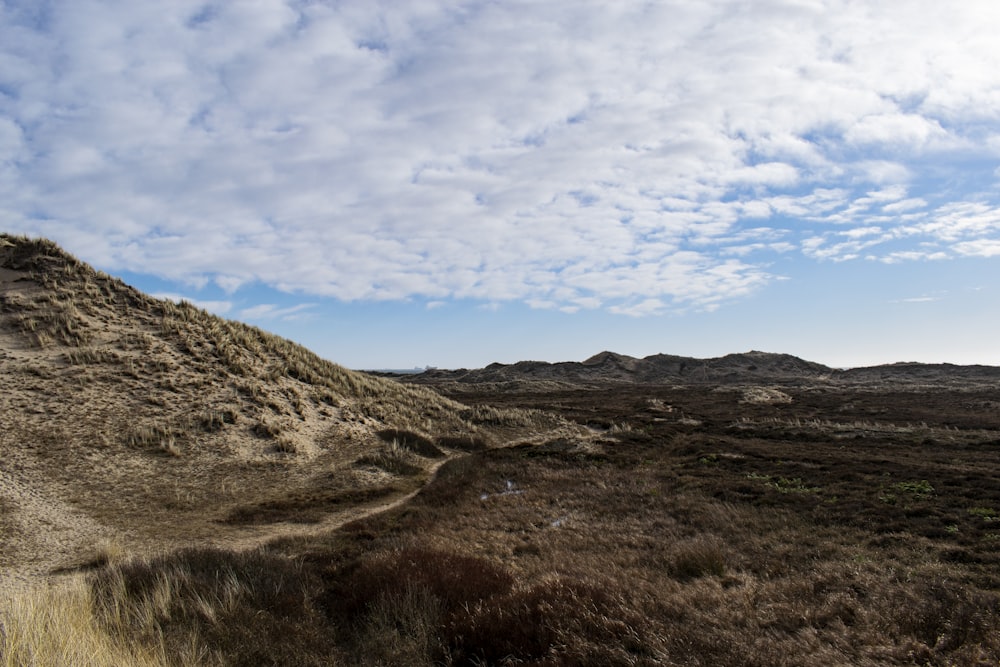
point(808, 523)
point(694, 529)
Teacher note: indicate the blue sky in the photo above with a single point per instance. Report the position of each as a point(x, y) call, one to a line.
point(456, 183)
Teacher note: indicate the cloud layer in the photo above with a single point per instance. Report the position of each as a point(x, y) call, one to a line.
point(632, 156)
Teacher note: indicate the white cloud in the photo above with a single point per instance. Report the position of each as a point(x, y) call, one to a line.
point(900, 131)
point(979, 248)
point(578, 154)
point(918, 299)
point(644, 307)
point(905, 205)
point(910, 256)
point(861, 232)
point(882, 171)
point(270, 311)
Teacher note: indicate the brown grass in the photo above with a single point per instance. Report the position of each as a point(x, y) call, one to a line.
point(658, 549)
point(841, 528)
point(227, 608)
point(55, 625)
point(158, 420)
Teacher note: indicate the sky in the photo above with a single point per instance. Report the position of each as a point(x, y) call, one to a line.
point(453, 183)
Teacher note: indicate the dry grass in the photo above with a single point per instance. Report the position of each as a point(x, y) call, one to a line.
point(393, 458)
point(160, 420)
point(676, 577)
point(55, 625)
point(695, 530)
point(642, 552)
point(222, 608)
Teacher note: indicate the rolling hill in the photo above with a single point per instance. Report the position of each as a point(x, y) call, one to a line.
point(216, 495)
point(132, 422)
point(752, 367)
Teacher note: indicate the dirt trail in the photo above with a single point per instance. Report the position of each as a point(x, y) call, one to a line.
point(43, 538)
point(257, 536)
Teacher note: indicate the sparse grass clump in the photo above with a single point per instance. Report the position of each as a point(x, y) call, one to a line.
point(55, 322)
point(392, 458)
point(83, 356)
point(267, 429)
point(415, 442)
point(211, 421)
point(464, 443)
point(486, 415)
point(157, 437)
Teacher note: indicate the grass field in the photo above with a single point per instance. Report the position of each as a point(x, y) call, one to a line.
point(691, 529)
point(177, 489)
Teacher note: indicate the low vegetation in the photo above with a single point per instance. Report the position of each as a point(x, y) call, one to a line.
point(670, 526)
point(114, 333)
point(126, 414)
point(662, 544)
point(57, 626)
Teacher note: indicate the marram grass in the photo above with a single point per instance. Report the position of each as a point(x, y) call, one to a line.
point(52, 625)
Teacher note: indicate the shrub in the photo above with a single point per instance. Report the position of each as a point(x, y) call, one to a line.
point(562, 621)
point(939, 618)
point(400, 628)
point(698, 557)
point(455, 580)
point(453, 482)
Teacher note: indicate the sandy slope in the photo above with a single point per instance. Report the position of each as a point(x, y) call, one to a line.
point(148, 425)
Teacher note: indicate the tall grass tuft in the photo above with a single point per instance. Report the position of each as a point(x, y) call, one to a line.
point(241, 608)
point(55, 625)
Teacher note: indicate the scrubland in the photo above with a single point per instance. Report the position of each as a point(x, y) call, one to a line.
point(689, 529)
point(177, 489)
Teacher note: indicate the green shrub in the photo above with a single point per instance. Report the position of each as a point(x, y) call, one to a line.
point(917, 489)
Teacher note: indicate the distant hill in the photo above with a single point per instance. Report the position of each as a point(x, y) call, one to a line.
point(743, 368)
point(130, 419)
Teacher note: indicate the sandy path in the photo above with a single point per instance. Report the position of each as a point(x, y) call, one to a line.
point(48, 535)
point(257, 536)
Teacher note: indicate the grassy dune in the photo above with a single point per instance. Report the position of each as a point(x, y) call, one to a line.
point(259, 491)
